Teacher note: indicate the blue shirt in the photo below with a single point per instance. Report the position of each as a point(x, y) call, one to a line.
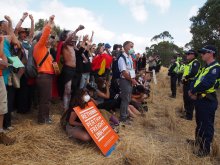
point(208, 81)
point(6, 49)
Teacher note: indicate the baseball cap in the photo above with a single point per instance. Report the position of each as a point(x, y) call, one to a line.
point(191, 52)
point(208, 49)
point(107, 46)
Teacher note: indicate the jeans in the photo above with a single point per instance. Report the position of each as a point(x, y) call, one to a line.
point(84, 80)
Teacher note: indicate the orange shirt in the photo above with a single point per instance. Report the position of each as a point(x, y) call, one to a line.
point(40, 51)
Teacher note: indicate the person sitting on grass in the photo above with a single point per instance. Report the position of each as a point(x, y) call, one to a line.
point(74, 127)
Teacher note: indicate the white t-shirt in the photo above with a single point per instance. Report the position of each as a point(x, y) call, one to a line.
point(126, 66)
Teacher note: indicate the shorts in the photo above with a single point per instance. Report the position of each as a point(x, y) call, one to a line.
point(3, 97)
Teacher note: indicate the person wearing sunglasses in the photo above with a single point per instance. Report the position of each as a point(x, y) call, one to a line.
point(191, 71)
point(203, 91)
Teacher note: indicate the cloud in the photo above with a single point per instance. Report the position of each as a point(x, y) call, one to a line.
point(193, 11)
point(69, 18)
point(138, 7)
point(164, 5)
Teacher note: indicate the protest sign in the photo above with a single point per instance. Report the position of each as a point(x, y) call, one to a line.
point(97, 127)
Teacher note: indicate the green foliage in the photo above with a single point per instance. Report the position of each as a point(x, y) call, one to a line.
point(205, 26)
point(40, 24)
point(164, 35)
point(166, 49)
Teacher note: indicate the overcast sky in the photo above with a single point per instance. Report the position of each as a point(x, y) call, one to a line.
point(114, 21)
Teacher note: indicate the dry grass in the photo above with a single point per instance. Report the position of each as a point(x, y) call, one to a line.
point(156, 138)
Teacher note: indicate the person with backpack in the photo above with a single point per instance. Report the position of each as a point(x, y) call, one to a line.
point(45, 70)
point(126, 80)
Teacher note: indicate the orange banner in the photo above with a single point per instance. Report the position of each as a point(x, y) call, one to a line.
point(97, 127)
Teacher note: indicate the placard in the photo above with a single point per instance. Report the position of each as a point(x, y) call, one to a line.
point(97, 127)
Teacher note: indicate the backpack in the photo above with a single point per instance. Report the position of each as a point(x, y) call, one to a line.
point(31, 68)
point(115, 69)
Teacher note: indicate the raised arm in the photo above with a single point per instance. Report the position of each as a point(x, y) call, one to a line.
point(91, 38)
point(46, 32)
point(73, 34)
point(24, 16)
point(3, 59)
point(31, 34)
point(14, 39)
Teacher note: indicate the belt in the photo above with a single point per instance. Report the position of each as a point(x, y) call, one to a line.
point(209, 96)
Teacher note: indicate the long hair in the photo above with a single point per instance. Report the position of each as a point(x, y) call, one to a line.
point(77, 100)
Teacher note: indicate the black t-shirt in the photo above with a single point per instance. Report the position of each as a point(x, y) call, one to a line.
point(79, 60)
point(87, 66)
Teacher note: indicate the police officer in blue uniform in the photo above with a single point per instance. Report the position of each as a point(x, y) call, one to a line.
point(173, 73)
point(191, 70)
point(202, 90)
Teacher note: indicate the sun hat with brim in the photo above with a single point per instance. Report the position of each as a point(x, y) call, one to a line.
point(23, 30)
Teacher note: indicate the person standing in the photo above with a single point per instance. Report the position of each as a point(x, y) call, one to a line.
point(191, 70)
point(126, 80)
point(203, 91)
point(173, 73)
point(45, 72)
point(4, 139)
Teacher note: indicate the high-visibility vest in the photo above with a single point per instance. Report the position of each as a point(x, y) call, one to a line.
point(188, 68)
point(176, 69)
point(201, 76)
point(181, 70)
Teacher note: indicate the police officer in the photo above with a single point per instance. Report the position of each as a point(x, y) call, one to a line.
point(191, 70)
point(202, 90)
point(173, 73)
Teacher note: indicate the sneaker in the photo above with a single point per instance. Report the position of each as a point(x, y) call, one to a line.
point(186, 118)
point(4, 139)
point(201, 153)
point(172, 96)
point(49, 121)
point(191, 142)
point(10, 128)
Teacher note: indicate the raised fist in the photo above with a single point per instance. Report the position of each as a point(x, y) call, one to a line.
point(31, 17)
point(81, 27)
point(25, 14)
point(8, 18)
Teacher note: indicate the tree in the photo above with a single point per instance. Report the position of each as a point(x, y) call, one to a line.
point(162, 36)
point(205, 26)
point(40, 24)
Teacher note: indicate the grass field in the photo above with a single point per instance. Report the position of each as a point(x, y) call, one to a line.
point(155, 139)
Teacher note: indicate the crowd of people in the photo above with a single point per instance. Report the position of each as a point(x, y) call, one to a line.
point(73, 69)
point(199, 92)
point(77, 71)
